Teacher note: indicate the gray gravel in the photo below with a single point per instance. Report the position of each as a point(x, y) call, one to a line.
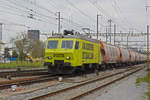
point(26, 96)
point(126, 90)
point(77, 91)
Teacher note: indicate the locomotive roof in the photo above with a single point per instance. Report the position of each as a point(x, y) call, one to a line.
point(83, 37)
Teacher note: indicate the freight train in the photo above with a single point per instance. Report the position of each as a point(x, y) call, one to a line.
point(71, 53)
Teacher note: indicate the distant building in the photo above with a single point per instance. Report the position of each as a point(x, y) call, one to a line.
point(34, 34)
point(2, 47)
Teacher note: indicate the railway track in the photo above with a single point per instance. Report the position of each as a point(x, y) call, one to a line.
point(20, 73)
point(26, 81)
point(76, 92)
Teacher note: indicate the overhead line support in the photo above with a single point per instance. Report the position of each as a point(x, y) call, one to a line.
point(98, 24)
point(59, 19)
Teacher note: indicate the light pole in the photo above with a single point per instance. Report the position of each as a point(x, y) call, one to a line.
point(114, 33)
point(147, 44)
point(106, 34)
point(110, 22)
point(59, 19)
point(128, 39)
point(98, 25)
point(1, 31)
point(147, 36)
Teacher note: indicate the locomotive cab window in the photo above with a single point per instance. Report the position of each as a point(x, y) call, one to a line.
point(77, 45)
point(67, 44)
point(52, 44)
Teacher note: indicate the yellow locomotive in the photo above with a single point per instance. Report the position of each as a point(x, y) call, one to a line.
point(70, 53)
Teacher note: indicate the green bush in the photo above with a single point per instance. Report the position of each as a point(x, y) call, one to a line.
point(145, 79)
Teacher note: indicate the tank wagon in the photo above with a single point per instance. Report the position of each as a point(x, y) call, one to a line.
point(71, 53)
point(114, 56)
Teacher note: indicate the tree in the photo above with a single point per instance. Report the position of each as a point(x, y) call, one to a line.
point(6, 53)
point(36, 48)
point(14, 54)
point(22, 46)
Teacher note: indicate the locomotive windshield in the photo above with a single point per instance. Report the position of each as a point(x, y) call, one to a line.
point(52, 44)
point(67, 44)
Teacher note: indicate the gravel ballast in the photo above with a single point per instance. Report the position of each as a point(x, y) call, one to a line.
point(127, 89)
point(26, 96)
point(61, 85)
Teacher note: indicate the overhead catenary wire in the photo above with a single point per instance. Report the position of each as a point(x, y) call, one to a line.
point(38, 14)
point(83, 13)
point(107, 15)
point(27, 16)
point(46, 17)
point(122, 19)
point(29, 9)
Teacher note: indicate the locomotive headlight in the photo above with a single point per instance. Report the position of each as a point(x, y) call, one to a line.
point(68, 58)
point(49, 57)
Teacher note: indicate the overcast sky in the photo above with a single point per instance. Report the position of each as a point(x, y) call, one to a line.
point(75, 14)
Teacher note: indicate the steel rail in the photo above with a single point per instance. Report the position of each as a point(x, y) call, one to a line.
point(100, 87)
point(23, 73)
point(76, 86)
point(26, 81)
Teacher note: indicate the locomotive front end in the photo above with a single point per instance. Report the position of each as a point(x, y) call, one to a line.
point(59, 55)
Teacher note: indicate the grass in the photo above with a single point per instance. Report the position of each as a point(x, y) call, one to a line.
point(147, 80)
point(21, 64)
